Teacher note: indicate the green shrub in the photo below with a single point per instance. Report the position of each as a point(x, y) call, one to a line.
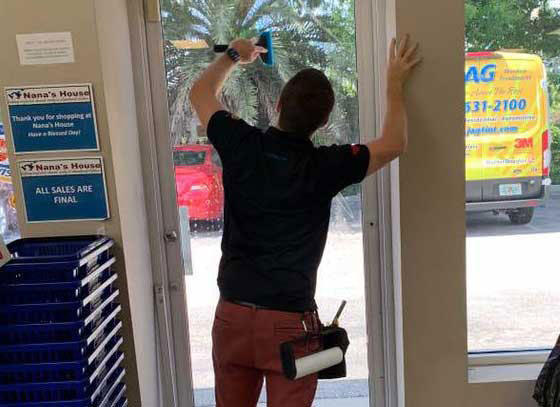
point(555, 147)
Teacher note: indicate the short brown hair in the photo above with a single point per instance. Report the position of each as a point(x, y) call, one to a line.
point(306, 102)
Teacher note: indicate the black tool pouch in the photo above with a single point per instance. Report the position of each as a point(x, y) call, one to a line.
point(330, 337)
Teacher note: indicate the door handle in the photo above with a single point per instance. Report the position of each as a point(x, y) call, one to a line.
point(153, 11)
point(171, 236)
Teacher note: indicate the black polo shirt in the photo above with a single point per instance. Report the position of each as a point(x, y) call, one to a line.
point(278, 190)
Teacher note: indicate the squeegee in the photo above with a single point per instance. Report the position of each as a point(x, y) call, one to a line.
point(265, 41)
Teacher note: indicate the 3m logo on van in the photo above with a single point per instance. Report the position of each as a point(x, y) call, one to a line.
point(486, 74)
point(523, 143)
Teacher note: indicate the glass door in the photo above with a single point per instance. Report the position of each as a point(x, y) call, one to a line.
point(306, 33)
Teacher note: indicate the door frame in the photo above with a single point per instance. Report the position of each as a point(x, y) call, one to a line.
point(375, 23)
point(375, 26)
point(174, 373)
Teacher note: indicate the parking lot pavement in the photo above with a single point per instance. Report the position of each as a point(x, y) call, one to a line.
point(513, 290)
point(546, 220)
point(512, 281)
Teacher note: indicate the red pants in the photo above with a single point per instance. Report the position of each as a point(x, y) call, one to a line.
point(246, 350)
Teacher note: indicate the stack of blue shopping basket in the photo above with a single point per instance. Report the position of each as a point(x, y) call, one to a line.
point(59, 325)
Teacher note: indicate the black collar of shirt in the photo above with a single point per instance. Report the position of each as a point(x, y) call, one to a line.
point(298, 141)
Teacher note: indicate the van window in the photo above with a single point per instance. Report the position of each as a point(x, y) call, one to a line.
point(183, 158)
point(216, 160)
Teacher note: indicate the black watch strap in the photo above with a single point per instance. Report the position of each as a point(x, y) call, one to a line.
point(233, 54)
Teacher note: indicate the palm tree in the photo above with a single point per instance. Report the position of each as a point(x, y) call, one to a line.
point(306, 33)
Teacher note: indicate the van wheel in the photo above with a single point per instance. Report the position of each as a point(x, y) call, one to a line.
point(521, 216)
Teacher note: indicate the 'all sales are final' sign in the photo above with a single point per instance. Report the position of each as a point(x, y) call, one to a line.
point(64, 189)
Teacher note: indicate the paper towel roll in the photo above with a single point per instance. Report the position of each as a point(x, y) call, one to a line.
point(318, 361)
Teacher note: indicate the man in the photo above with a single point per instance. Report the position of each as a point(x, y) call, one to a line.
point(278, 192)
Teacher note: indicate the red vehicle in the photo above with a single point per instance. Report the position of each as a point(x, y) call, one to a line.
point(198, 174)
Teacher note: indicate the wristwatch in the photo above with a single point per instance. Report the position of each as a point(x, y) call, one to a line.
point(233, 54)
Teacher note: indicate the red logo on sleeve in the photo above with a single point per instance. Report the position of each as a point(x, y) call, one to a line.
point(356, 149)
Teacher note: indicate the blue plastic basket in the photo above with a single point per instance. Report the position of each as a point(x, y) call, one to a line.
point(61, 390)
point(56, 248)
point(58, 372)
point(71, 403)
point(57, 312)
point(54, 260)
point(119, 398)
point(86, 368)
point(111, 394)
point(55, 394)
point(23, 334)
point(61, 352)
point(56, 292)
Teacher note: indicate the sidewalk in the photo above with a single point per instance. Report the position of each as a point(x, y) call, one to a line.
point(338, 393)
point(355, 402)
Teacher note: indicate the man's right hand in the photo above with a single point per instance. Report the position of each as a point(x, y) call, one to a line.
point(247, 49)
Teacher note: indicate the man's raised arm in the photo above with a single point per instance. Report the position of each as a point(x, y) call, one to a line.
point(206, 90)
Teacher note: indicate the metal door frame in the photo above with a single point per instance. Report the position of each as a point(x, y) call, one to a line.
point(169, 299)
point(375, 26)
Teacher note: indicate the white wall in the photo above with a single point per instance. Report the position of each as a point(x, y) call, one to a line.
point(102, 52)
point(432, 181)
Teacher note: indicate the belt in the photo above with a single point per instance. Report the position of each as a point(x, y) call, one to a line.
point(248, 304)
point(257, 306)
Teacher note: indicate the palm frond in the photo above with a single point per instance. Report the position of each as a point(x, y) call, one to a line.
point(304, 36)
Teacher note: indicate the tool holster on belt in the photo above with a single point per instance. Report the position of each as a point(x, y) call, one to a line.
point(331, 336)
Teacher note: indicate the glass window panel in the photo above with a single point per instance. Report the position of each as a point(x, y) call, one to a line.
point(316, 33)
point(512, 108)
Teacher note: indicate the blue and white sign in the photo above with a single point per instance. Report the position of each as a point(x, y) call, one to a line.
point(52, 118)
point(64, 189)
